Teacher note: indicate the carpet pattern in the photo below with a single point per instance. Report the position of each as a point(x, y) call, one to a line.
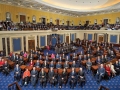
point(91, 84)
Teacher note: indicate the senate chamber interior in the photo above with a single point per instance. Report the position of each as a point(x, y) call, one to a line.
point(59, 44)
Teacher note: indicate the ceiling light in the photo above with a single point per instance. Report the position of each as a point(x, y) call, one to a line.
point(40, 8)
point(30, 6)
point(48, 9)
point(18, 3)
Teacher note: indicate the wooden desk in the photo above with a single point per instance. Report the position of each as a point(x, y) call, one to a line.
point(60, 71)
point(29, 68)
point(25, 59)
point(69, 71)
point(23, 67)
point(11, 63)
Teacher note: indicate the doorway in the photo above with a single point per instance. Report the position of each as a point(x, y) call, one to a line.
point(22, 18)
point(101, 38)
point(105, 21)
point(57, 21)
point(31, 44)
point(43, 21)
point(68, 23)
point(67, 39)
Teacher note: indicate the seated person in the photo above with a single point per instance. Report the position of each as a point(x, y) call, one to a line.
point(2, 62)
point(6, 69)
point(43, 78)
point(64, 78)
point(22, 53)
point(25, 55)
point(34, 74)
point(88, 51)
point(79, 57)
point(81, 77)
point(100, 73)
point(1, 54)
point(60, 59)
point(37, 64)
point(51, 65)
point(13, 57)
point(57, 56)
point(66, 65)
point(73, 64)
point(52, 56)
point(30, 57)
point(63, 56)
point(52, 77)
point(112, 55)
point(36, 53)
point(45, 64)
point(16, 59)
point(85, 57)
point(58, 65)
point(31, 63)
point(88, 56)
point(40, 57)
point(25, 77)
point(21, 61)
point(88, 65)
point(113, 72)
point(117, 66)
point(17, 72)
point(108, 71)
point(72, 81)
point(67, 58)
point(98, 61)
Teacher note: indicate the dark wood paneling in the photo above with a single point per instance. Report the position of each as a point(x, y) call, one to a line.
point(8, 45)
point(24, 40)
point(4, 46)
point(31, 44)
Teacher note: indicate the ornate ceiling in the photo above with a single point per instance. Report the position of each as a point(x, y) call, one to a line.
point(69, 7)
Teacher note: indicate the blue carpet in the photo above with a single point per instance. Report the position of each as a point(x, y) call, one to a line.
point(91, 84)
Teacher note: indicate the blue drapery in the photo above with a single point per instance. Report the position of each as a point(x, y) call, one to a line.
point(42, 40)
point(54, 41)
point(113, 38)
point(61, 38)
point(72, 37)
point(89, 36)
point(17, 44)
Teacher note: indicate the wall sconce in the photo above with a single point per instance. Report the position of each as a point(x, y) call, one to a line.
point(16, 16)
point(47, 19)
point(109, 20)
point(28, 17)
point(101, 20)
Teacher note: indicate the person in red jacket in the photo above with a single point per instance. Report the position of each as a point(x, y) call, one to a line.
point(108, 71)
point(2, 62)
point(31, 63)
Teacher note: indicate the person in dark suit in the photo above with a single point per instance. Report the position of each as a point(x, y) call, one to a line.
point(13, 57)
point(21, 53)
point(67, 58)
point(37, 64)
point(117, 66)
point(40, 57)
point(45, 64)
point(21, 61)
point(65, 76)
point(16, 59)
point(72, 81)
point(81, 77)
point(34, 74)
point(58, 65)
point(1, 54)
point(33, 51)
point(6, 67)
point(57, 56)
point(112, 55)
point(17, 72)
point(100, 73)
point(88, 65)
point(51, 65)
point(73, 64)
point(43, 79)
point(52, 77)
point(66, 65)
point(98, 61)
point(30, 57)
point(88, 51)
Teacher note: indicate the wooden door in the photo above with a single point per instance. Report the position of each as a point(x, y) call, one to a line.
point(31, 45)
point(68, 23)
point(57, 22)
point(101, 39)
point(67, 39)
point(22, 18)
